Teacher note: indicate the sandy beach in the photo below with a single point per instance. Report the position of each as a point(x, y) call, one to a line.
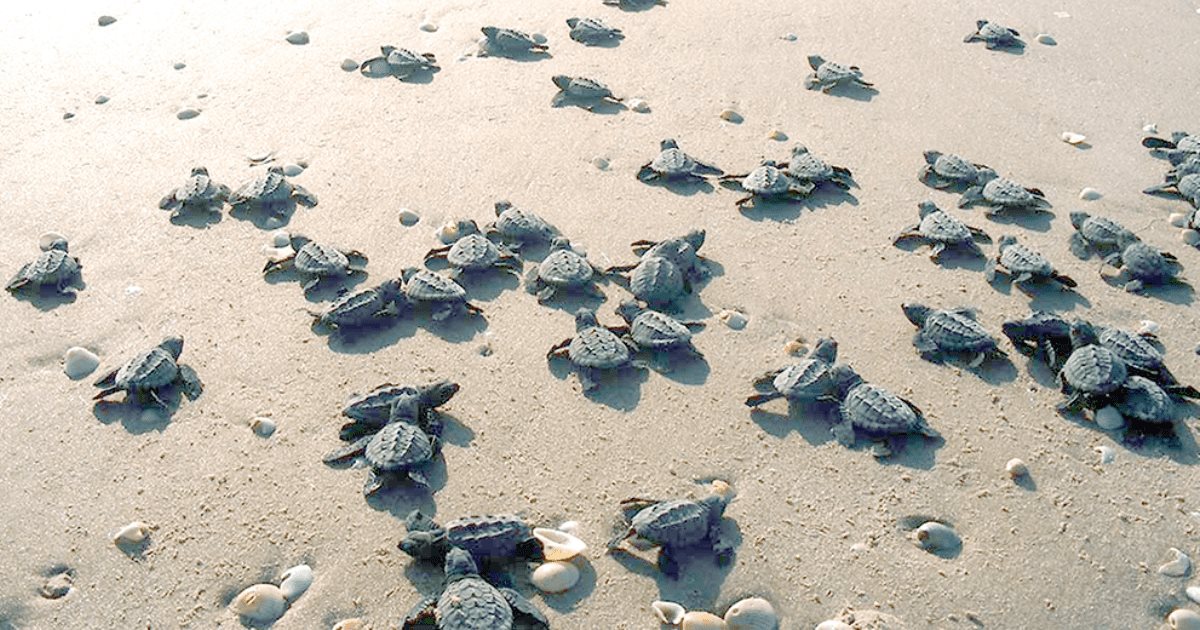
point(818, 526)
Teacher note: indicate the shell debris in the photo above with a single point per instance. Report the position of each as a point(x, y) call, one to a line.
point(187, 113)
point(56, 586)
point(295, 581)
point(555, 577)
point(1109, 419)
point(263, 427)
point(777, 135)
point(1046, 39)
point(1190, 237)
point(132, 534)
point(1179, 566)
point(937, 537)
point(48, 240)
point(697, 620)
point(260, 602)
point(1016, 469)
point(752, 613)
point(1071, 137)
point(638, 105)
point(834, 624)
point(291, 169)
point(1148, 327)
point(1183, 619)
point(353, 623)
point(559, 545)
point(299, 38)
point(730, 115)
point(1107, 454)
point(601, 163)
point(349, 65)
point(105, 20)
point(79, 362)
point(1150, 128)
point(1090, 194)
point(428, 27)
point(408, 218)
point(669, 613)
point(733, 319)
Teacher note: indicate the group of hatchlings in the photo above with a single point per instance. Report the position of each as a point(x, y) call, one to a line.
point(395, 429)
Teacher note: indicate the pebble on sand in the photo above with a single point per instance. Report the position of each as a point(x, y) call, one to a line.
point(56, 586)
point(428, 27)
point(600, 163)
point(1090, 194)
point(638, 105)
point(102, 99)
point(790, 37)
point(1107, 454)
point(539, 38)
point(1190, 237)
point(1183, 619)
point(281, 238)
point(555, 576)
point(1150, 128)
point(669, 613)
point(733, 319)
point(1046, 39)
point(295, 581)
point(105, 20)
point(1179, 566)
point(1109, 419)
point(1070, 137)
point(187, 113)
point(263, 427)
point(298, 38)
point(261, 602)
point(291, 169)
point(179, 65)
point(1178, 219)
point(408, 218)
point(132, 534)
point(68, 115)
point(729, 115)
point(777, 135)
point(349, 65)
point(1016, 469)
point(79, 362)
point(1193, 593)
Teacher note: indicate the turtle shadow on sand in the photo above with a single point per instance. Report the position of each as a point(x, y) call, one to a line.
point(367, 339)
point(1032, 221)
point(400, 498)
point(420, 77)
point(47, 298)
point(136, 418)
point(909, 451)
point(327, 289)
point(826, 196)
point(950, 259)
point(619, 389)
point(454, 431)
point(700, 576)
point(596, 106)
point(685, 370)
point(1180, 293)
point(1173, 440)
point(853, 92)
point(278, 216)
point(487, 286)
point(571, 302)
point(199, 219)
point(1040, 372)
point(767, 210)
point(809, 420)
point(995, 370)
point(525, 56)
point(135, 551)
point(683, 187)
point(568, 601)
point(1043, 296)
point(456, 329)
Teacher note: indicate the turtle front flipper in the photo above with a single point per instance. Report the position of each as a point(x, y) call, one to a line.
point(437, 252)
point(971, 196)
point(761, 399)
point(616, 541)
point(722, 547)
point(422, 616)
point(349, 451)
point(926, 347)
point(667, 563)
point(278, 265)
point(373, 483)
point(107, 392)
point(843, 432)
point(525, 609)
point(991, 270)
point(1182, 391)
point(189, 382)
point(419, 478)
point(1151, 142)
point(1064, 280)
point(170, 202)
point(1080, 247)
point(557, 349)
point(1161, 189)
point(588, 378)
point(20, 280)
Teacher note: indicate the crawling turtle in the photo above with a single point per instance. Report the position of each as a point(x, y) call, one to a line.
point(491, 538)
point(509, 42)
point(684, 251)
point(994, 36)
point(370, 411)
point(472, 252)
point(468, 602)
point(1186, 166)
point(399, 62)
point(943, 231)
point(398, 450)
point(946, 170)
point(1141, 357)
point(635, 5)
point(199, 192)
point(1143, 400)
point(53, 268)
point(271, 192)
point(673, 165)
point(677, 525)
point(1142, 265)
point(1094, 234)
point(1001, 194)
point(950, 331)
point(1181, 145)
point(147, 374)
point(594, 349)
point(658, 332)
point(361, 308)
point(806, 167)
point(517, 227)
point(1042, 331)
point(1092, 374)
point(1023, 265)
point(768, 183)
point(318, 261)
point(873, 410)
point(443, 296)
point(807, 380)
point(593, 32)
point(657, 281)
point(586, 92)
point(828, 75)
point(1186, 187)
point(563, 269)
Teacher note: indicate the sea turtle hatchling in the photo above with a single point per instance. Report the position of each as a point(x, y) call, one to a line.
point(1142, 400)
point(563, 269)
point(873, 410)
point(946, 170)
point(593, 32)
point(635, 5)
point(499, 538)
point(370, 411)
point(317, 261)
point(595, 349)
point(1092, 374)
point(942, 332)
point(1023, 265)
point(149, 373)
point(994, 36)
point(1141, 357)
point(806, 167)
point(1187, 166)
point(270, 191)
point(684, 251)
point(1094, 234)
point(1001, 194)
point(443, 296)
point(468, 602)
point(658, 332)
point(808, 380)
point(53, 268)
point(657, 281)
point(943, 231)
point(360, 308)
point(675, 526)
point(517, 227)
point(828, 75)
point(399, 62)
point(199, 192)
point(768, 183)
point(673, 165)
point(1181, 145)
point(508, 42)
point(1042, 331)
point(1143, 265)
point(400, 449)
point(1186, 187)
point(587, 93)
point(472, 252)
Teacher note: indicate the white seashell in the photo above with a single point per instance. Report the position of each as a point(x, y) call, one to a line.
point(1109, 419)
point(1150, 128)
point(1178, 219)
point(1191, 237)
point(292, 169)
point(298, 38)
point(353, 623)
point(777, 135)
point(795, 348)
point(1090, 194)
point(1148, 327)
point(47, 240)
point(408, 218)
point(105, 20)
point(102, 99)
point(133, 290)
point(349, 65)
point(935, 536)
point(570, 527)
point(179, 65)
point(448, 233)
point(732, 116)
point(428, 27)
point(733, 319)
point(600, 163)
point(1107, 454)
point(638, 105)
point(1183, 619)
point(56, 586)
point(264, 427)
point(1061, 14)
point(1072, 138)
point(724, 489)
point(261, 602)
point(555, 577)
point(281, 238)
point(697, 620)
point(187, 113)
point(752, 613)
point(1193, 593)
point(132, 533)
point(295, 581)
point(790, 37)
point(1181, 566)
point(834, 624)
point(559, 545)
point(1046, 39)
point(79, 362)
point(669, 613)
point(1016, 468)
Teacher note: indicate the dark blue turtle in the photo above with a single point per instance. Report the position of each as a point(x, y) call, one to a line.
point(595, 349)
point(1142, 358)
point(1043, 332)
point(828, 75)
point(1092, 374)
point(507, 42)
point(675, 526)
point(360, 309)
point(498, 538)
point(270, 191)
point(441, 295)
point(316, 262)
point(401, 63)
point(1180, 147)
point(1094, 234)
point(399, 450)
point(956, 331)
point(1186, 187)
point(1142, 400)
point(673, 165)
point(658, 332)
point(1001, 194)
point(517, 227)
point(471, 252)
point(873, 410)
point(1023, 265)
point(768, 182)
point(1143, 265)
point(468, 602)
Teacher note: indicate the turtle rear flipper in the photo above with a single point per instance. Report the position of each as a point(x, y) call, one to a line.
point(106, 393)
point(971, 196)
point(843, 432)
point(301, 195)
point(19, 281)
point(422, 616)
point(766, 382)
point(349, 451)
point(1151, 142)
point(189, 382)
point(1182, 391)
point(647, 174)
point(170, 202)
point(525, 609)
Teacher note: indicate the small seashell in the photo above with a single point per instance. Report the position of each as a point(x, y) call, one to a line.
point(264, 427)
point(796, 348)
point(732, 116)
point(697, 620)
point(133, 290)
point(1183, 619)
point(79, 362)
point(723, 488)
point(1193, 593)
point(790, 37)
point(292, 169)
point(187, 113)
point(298, 38)
point(1090, 194)
point(56, 586)
point(555, 577)
point(834, 624)
point(102, 99)
point(1190, 237)
point(295, 581)
point(448, 233)
point(1107, 454)
point(669, 613)
point(559, 545)
point(934, 536)
point(539, 38)
point(1072, 138)
point(1109, 419)
point(105, 20)
point(1150, 128)
point(569, 527)
point(48, 240)
point(1016, 469)
point(132, 533)
point(354, 623)
point(638, 105)
point(752, 613)
point(1178, 219)
point(1046, 39)
point(777, 135)
point(408, 218)
point(427, 26)
point(1148, 327)
point(179, 65)
point(261, 602)
point(733, 319)
point(600, 163)
point(349, 65)
point(484, 349)
point(1180, 566)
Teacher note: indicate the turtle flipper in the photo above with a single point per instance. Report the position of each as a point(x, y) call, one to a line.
point(1079, 247)
point(667, 563)
point(301, 195)
point(418, 521)
point(978, 235)
point(189, 382)
point(843, 432)
point(525, 609)
point(373, 483)
point(106, 393)
point(1151, 142)
point(1161, 189)
point(422, 616)
point(760, 399)
point(1064, 280)
point(19, 281)
point(1183, 391)
point(971, 196)
point(418, 477)
point(911, 231)
point(349, 451)
point(647, 174)
point(926, 348)
point(169, 202)
point(107, 380)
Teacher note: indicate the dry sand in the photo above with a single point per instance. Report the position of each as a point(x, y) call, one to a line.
point(1077, 548)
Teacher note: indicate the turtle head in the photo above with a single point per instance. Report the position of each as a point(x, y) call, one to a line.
point(932, 156)
point(799, 149)
point(816, 61)
point(489, 31)
point(425, 545)
point(460, 564)
point(845, 378)
point(1083, 334)
point(771, 163)
point(298, 240)
point(560, 242)
point(438, 394)
point(502, 205)
point(1006, 241)
point(1078, 217)
point(629, 310)
point(408, 273)
point(986, 175)
point(392, 288)
point(916, 313)
point(695, 238)
point(669, 143)
point(199, 170)
point(275, 168)
point(173, 345)
point(561, 80)
point(467, 226)
point(979, 24)
point(826, 350)
point(572, 21)
point(405, 409)
point(721, 495)
point(926, 208)
point(58, 243)
point(585, 318)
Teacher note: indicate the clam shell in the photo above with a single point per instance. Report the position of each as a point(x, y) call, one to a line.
point(752, 613)
point(295, 581)
point(669, 613)
point(79, 362)
point(262, 426)
point(558, 545)
point(555, 577)
point(47, 240)
point(1183, 619)
point(1149, 327)
point(934, 536)
point(1193, 593)
point(697, 620)
point(261, 602)
point(132, 533)
point(1180, 566)
point(1016, 468)
point(1178, 219)
point(1107, 454)
point(1071, 137)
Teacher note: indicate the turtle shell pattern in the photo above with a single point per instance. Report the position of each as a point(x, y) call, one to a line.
point(472, 252)
point(320, 259)
point(470, 603)
point(510, 40)
point(956, 332)
point(405, 59)
point(565, 268)
point(197, 188)
point(876, 410)
point(1101, 230)
point(355, 307)
point(1020, 259)
point(953, 167)
point(1005, 192)
point(810, 167)
point(151, 369)
point(1146, 263)
point(589, 29)
point(518, 224)
point(677, 251)
point(51, 267)
point(830, 72)
point(804, 380)
point(598, 347)
point(1094, 370)
point(583, 87)
point(656, 281)
point(676, 523)
point(1132, 349)
point(766, 180)
point(267, 185)
point(1142, 399)
point(488, 536)
point(944, 228)
point(397, 446)
point(672, 162)
point(652, 329)
point(427, 286)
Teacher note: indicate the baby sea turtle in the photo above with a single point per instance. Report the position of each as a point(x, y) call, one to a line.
point(1141, 357)
point(492, 538)
point(148, 373)
point(516, 227)
point(950, 331)
point(768, 183)
point(806, 167)
point(400, 449)
point(1143, 265)
point(1092, 373)
point(375, 408)
point(1142, 399)
point(994, 36)
point(1001, 194)
point(592, 32)
point(656, 281)
point(361, 308)
point(1042, 331)
point(586, 92)
point(1186, 187)
point(635, 5)
point(684, 251)
point(563, 269)
point(399, 62)
point(873, 410)
point(677, 525)
point(468, 602)
point(199, 192)
point(443, 296)
point(946, 170)
point(1023, 265)
point(658, 332)
point(943, 231)
point(673, 165)
point(1187, 166)
point(1178, 148)
point(317, 261)
point(594, 349)
point(472, 252)
point(1094, 234)
point(509, 42)
point(53, 268)
point(827, 75)
point(806, 381)
point(270, 191)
